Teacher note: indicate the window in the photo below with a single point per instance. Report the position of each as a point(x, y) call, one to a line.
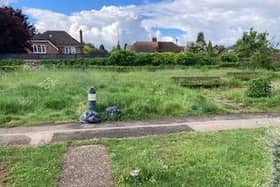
point(70, 50)
point(39, 49)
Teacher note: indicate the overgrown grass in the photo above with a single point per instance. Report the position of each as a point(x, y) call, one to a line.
point(60, 95)
point(232, 158)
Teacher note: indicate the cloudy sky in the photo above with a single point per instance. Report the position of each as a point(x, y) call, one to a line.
point(106, 21)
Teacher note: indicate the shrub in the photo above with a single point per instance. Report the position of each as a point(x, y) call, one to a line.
point(144, 59)
point(186, 59)
point(124, 58)
point(163, 59)
point(10, 62)
point(259, 88)
point(229, 57)
point(205, 59)
point(262, 58)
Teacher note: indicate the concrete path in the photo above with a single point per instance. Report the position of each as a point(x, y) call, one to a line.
point(86, 166)
point(48, 134)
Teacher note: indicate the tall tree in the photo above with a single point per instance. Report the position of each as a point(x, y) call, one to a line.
point(119, 46)
point(15, 31)
point(252, 42)
point(201, 45)
point(200, 38)
point(103, 51)
point(210, 50)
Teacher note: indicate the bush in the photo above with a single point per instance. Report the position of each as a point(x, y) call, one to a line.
point(144, 59)
point(205, 59)
point(163, 59)
point(259, 88)
point(10, 62)
point(262, 59)
point(186, 59)
point(123, 58)
point(229, 57)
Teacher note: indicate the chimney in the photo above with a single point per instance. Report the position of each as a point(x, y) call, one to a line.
point(154, 39)
point(81, 37)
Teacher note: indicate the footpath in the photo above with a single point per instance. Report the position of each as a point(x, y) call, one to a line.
point(40, 135)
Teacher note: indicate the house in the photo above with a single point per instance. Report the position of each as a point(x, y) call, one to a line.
point(56, 42)
point(154, 46)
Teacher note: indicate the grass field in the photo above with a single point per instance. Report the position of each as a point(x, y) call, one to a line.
point(232, 158)
point(39, 96)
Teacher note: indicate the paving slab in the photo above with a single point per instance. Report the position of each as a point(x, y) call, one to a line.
point(86, 166)
point(14, 140)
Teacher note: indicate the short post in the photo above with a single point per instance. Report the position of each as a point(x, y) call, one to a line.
point(92, 99)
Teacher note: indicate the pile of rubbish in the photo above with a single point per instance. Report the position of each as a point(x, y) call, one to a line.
point(92, 117)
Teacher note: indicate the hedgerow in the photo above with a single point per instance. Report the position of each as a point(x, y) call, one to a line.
point(126, 58)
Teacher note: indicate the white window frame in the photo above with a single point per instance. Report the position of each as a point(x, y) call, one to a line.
point(70, 50)
point(39, 49)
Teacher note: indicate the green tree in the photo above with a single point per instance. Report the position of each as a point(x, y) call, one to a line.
point(103, 51)
point(252, 42)
point(201, 39)
point(210, 49)
point(88, 48)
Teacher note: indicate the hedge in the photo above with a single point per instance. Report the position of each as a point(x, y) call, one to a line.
point(126, 58)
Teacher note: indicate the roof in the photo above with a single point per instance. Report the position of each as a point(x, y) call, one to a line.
point(144, 47)
point(169, 47)
point(58, 38)
point(151, 47)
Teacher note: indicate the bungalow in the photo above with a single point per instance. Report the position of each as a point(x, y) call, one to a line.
point(56, 42)
point(154, 46)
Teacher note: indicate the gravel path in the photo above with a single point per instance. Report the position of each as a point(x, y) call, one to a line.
point(86, 166)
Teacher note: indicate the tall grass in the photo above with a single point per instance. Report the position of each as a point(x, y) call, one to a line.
point(60, 95)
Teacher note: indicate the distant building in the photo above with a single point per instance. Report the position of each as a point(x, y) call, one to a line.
point(56, 42)
point(154, 46)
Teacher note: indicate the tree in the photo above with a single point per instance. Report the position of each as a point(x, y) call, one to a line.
point(201, 39)
point(88, 48)
point(252, 42)
point(118, 46)
point(103, 51)
point(210, 50)
point(125, 46)
point(15, 31)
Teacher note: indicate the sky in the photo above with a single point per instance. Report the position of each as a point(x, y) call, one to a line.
point(107, 21)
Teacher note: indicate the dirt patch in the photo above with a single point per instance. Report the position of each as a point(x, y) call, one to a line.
point(3, 174)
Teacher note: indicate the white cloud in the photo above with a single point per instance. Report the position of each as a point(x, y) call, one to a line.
point(5, 2)
point(221, 21)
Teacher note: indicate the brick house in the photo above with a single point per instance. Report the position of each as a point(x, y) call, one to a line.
point(56, 42)
point(154, 46)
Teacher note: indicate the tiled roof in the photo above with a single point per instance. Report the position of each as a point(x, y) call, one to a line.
point(144, 47)
point(169, 47)
point(58, 38)
point(151, 47)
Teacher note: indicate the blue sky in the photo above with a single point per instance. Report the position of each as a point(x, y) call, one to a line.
point(70, 6)
point(107, 21)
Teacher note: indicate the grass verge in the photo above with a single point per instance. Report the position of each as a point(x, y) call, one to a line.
point(230, 158)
